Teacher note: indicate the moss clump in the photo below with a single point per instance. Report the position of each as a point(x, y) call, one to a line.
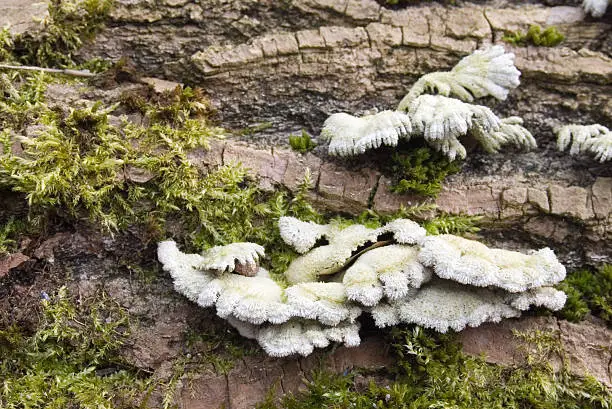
point(432, 372)
point(302, 143)
point(79, 162)
point(442, 223)
point(588, 292)
point(6, 45)
point(69, 24)
point(23, 102)
point(9, 234)
point(452, 224)
point(171, 108)
point(82, 166)
point(70, 361)
point(421, 171)
point(550, 37)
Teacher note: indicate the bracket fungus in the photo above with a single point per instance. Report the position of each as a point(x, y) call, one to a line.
point(439, 109)
point(349, 135)
point(388, 271)
point(596, 8)
point(595, 139)
point(487, 72)
point(472, 263)
point(397, 273)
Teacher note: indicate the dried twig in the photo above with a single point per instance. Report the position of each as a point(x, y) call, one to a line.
point(74, 73)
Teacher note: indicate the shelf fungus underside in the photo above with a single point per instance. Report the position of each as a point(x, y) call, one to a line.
point(396, 273)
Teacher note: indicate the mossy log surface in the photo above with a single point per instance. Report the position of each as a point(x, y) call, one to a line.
point(287, 65)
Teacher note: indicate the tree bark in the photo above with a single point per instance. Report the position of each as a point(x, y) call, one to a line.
point(289, 64)
point(292, 63)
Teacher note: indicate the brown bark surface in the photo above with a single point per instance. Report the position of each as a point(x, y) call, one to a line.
point(291, 64)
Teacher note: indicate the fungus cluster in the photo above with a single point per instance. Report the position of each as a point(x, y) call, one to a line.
point(397, 273)
point(594, 139)
point(439, 109)
point(596, 8)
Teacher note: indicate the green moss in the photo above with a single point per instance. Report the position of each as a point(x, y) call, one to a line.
point(9, 235)
point(173, 108)
point(442, 223)
point(452, 224)
point(23, 102)
point(6, 45)
point(69, 24)
point(588, 292)
point(431, 372)
point(301, 143)
point(73, 162)
point(550, 37)
point(540, 345)
point(421, 171)
point(80, 166)
point(70, 361)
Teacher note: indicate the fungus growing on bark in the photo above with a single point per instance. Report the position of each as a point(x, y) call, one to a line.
point(442, 118)
point(350, 135)
point(231, 257)
point(395, 272)
point(487, 72)
point(389, 271)
point(596, 8)
point(600, 147)
point(595, 139)
point(511, 131)
point(300, 235)
point(472, 263)
point(325, 302)
point(302, 337)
